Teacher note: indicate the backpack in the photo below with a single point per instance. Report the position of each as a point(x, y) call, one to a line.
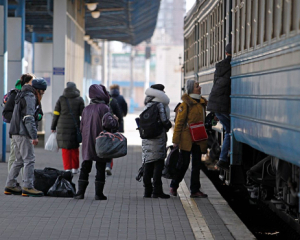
point(150, 125)
point(173, 163)
point(5, 99)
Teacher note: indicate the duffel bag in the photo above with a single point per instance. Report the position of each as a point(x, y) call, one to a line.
point(111, 145)
point(45, 178)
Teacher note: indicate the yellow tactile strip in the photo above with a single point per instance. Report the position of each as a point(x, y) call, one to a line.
point(196, 219)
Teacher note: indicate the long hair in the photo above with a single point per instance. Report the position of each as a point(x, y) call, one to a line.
point(25, 78)
point(38, 96)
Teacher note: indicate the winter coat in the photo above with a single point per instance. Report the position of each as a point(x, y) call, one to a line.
point(190, 111)
point(62, 120)
point(155, 149)
point(115, 109)
point(91, 122)
point(219, 98)
point(23, 120)
point(115, 93)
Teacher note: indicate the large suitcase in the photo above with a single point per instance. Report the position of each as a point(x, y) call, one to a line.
point(45, 178)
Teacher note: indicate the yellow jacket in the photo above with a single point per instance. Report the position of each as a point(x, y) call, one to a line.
point(189, 111)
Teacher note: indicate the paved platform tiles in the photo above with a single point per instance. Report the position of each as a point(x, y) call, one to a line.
point(126, 214)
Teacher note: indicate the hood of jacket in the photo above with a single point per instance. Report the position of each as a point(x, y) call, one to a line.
point(223, 67)
point(26, 89)
point(190, 101)
point(115, 92)
point(98, 92)
point(18, 84)
point(157, 96)
point(72, 92)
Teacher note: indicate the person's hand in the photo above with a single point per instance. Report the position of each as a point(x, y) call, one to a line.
point(35, 142)
point(175, 145)
point(115, 117)
point(53, 131)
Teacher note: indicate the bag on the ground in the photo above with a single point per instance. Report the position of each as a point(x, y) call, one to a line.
point(111, 145)
point(51, 144)
point(140, 173)
point(173, 163)
point(45, 178)
point(150, 125)
point(61, 188)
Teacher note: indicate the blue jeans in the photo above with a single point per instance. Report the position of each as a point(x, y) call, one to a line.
point(196, 165)
point(225, 121)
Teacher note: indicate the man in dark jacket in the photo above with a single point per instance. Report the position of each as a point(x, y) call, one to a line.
point(219, 102)
point(23, 129)
point(115, 93)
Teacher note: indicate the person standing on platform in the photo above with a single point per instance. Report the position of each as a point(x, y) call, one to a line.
point(23, 128)
point(191, 110)
point(68, 110)
point(115, 93)
point(154, 150)
point(91, 126)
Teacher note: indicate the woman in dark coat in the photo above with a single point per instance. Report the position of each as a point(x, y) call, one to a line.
point(91, 126)
point(64, 124)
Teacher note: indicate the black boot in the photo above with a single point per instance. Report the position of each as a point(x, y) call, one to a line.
point(158, 193)
point(99, 191)
point(148, 191)
point(82, 185)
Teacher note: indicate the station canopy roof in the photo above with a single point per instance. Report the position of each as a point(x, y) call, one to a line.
point(129, 21)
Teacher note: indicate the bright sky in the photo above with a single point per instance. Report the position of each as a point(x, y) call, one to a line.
point(189, 4)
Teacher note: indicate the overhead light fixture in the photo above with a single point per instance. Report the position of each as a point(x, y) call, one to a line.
point(90, 41)
point(91, 6)
point(95, 14)
point(86, 37)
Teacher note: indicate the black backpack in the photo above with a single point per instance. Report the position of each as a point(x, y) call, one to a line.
point(150, 125)
point(173, 163)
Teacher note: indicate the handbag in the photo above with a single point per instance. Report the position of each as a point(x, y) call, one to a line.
point(111, 145)
point(78, 133)
point(198, 131)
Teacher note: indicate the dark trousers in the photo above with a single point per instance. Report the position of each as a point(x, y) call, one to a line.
point(153, 170)
point(195, 175)
point(86, 168)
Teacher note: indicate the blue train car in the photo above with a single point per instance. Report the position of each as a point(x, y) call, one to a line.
point(265, 90)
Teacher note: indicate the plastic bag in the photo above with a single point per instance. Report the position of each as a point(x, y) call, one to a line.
point(51, 144)
point(45, 178)
point(61, 188)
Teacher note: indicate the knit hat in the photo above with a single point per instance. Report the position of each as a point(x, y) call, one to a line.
point(71, 85)
point(190, 86)
point(39, 83)
point(18, 84)
point(228, 48)
point(158, 87)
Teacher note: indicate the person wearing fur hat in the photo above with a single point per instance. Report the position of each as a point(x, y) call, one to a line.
point(63, 123)
point(154, 150)
point(191, 110)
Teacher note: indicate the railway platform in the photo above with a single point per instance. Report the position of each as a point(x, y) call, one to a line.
point(126, 214)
